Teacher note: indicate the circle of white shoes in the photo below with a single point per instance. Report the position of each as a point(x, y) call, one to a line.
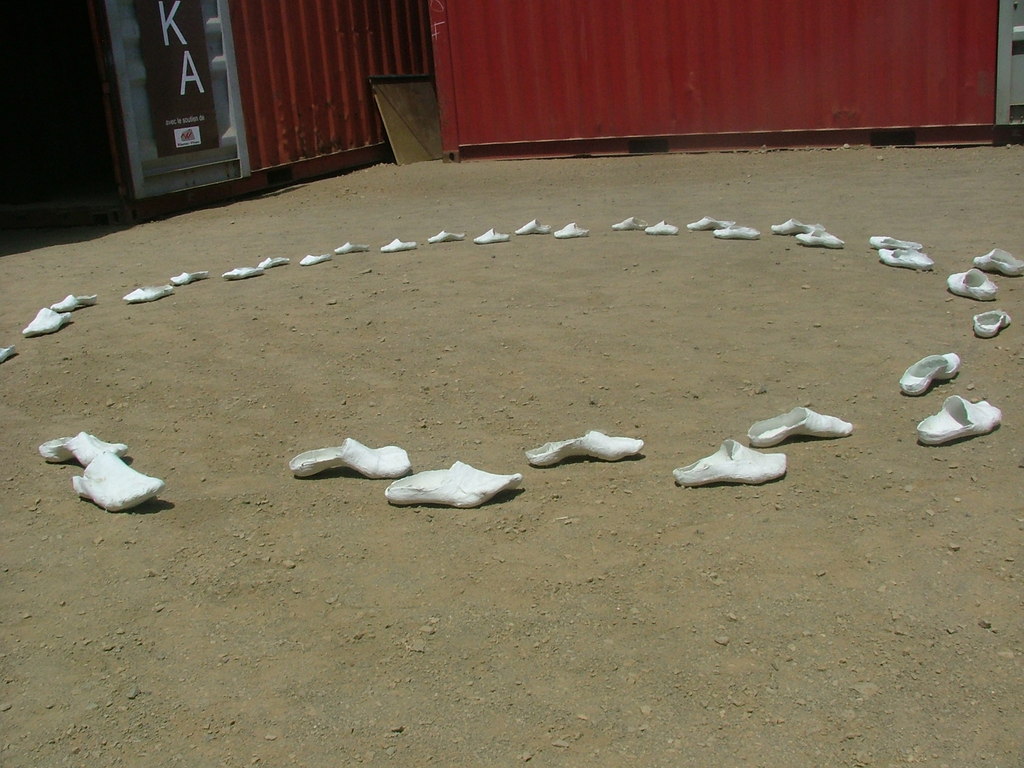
point(113, 485)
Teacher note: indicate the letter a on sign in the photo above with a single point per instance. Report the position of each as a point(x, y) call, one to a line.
point(172, 36)
point(189, 74)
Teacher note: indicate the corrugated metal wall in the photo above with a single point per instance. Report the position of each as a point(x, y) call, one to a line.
point(555, 70)
point(303, 67)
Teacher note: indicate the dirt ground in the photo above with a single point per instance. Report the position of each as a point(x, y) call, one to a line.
point(864, 610)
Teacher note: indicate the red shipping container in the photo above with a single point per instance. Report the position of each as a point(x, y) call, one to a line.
point(559, 77)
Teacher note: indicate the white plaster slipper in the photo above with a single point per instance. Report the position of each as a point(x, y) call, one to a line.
point(998, 260)
point(71, 302)
point(906, 258)
point(444, 236)
point(459, 486)
point(396, 246)
point(341, 250)
point(389, 461)
point(884, 241)
point(148, 293)
point(534, 228)
point(630, 224)
point(958, 418)
point(6, 353)
point(794, 227)
point(662, 228)
point(113, 485)
point(570, 230)
point(972, 284)
point(593, 444)
point(799, 421)
point(918, 378)
point(311, 259)
point(733, 463)
point(490, 236)
point(708, 223)
point(188, 277)
point(83, 448)
point(819, 238)
point(243, 273)
point(736, 233)
point(46, 321)
point(274, 261)
point(989, 324)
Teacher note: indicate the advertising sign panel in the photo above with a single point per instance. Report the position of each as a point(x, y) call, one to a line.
point(178, 78)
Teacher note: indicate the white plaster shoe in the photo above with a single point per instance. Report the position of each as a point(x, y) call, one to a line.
point(998, 260)
point(444, 236)
point(113, 485)
point(273, 261)
point(311, 259)
point(989, 324)
point(708, 223)
point(71, 302)
point(884, 241)
point(389, 461)
point(6, 353)
point(630, 225)
point(819, 238)
point(593, 444)
point(347, 248)
point(570, 230)
point(958, 418)
point(918, 378)
point(662, 228)
point(972, 284)
point(490, 236)
point(148, 293)
point(799, 421)
point(459, 486)
point(794, 227)
point(735, 232)
point(83, 448)
point(396, 246)
point(188, 277)
point(906, 258)
point(243, 273)
point(46, 321)
point(534, 228)
point(733, 463)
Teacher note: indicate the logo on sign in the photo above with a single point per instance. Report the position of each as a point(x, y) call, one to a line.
point(187, 137)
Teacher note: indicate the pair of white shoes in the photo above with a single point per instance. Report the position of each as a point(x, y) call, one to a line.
point(51, 319)
point(810, 235)
point(639, 225)
point(907, 254)
point(107, 480)
point(735, 463)
point(724, 229)
point(958, 418)
point(459, 486)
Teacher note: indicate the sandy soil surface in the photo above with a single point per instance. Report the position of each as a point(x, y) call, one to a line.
point(864, 610)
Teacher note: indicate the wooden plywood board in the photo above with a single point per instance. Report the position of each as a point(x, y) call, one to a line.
point(410, 114)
